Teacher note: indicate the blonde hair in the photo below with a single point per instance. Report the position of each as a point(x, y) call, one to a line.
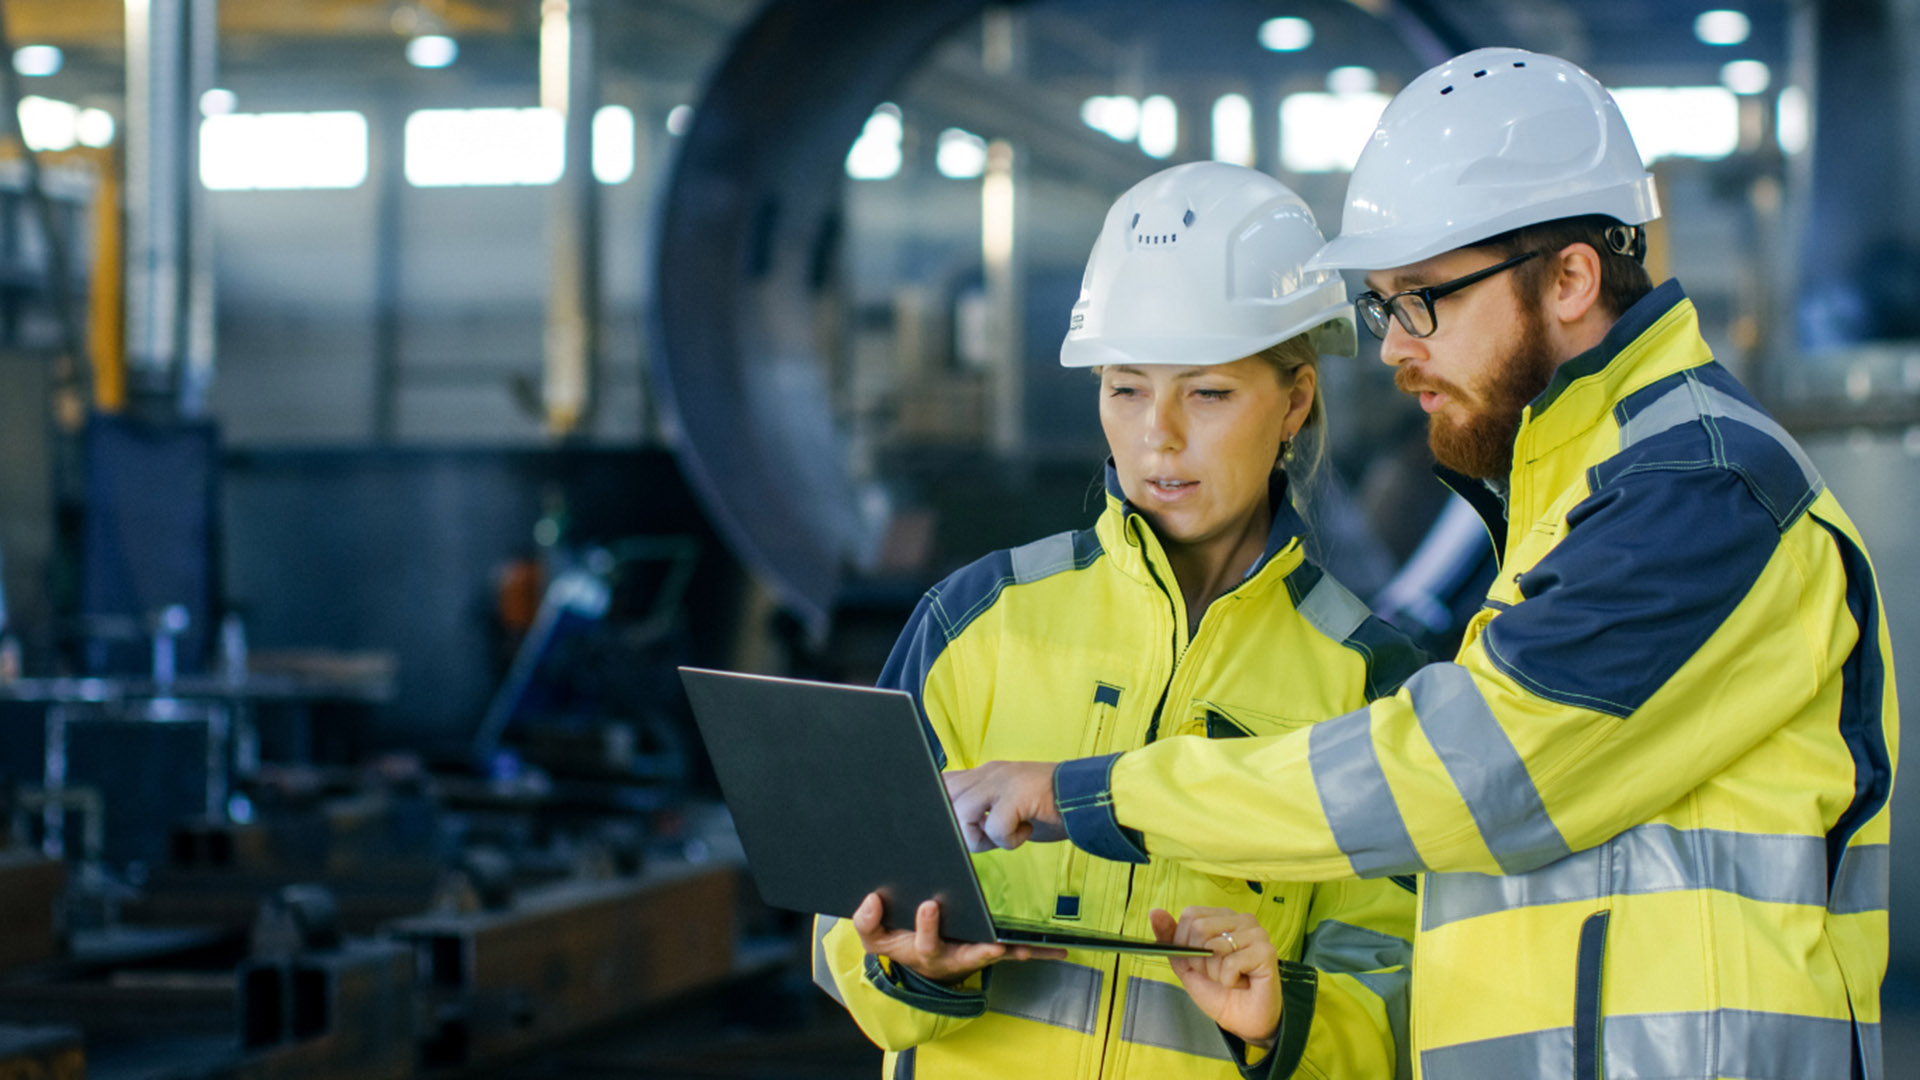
point(1307, 450)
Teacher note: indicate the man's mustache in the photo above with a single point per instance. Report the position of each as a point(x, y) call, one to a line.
point(1407, 382)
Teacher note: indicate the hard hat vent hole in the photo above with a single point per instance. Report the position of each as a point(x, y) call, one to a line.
point(1446, 90)
point(1480, 74)
point(1188, 220)
point(1136, 222)
point(1519, 63)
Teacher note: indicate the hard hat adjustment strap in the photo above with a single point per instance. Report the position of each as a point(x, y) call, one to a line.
point(1628, 240)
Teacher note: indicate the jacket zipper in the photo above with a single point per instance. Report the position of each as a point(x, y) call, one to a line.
point(1153, 730)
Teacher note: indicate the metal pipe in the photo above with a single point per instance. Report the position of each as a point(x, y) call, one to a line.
point(569, 85)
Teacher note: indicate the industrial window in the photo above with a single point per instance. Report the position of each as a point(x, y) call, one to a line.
point(508, 147)
point(1681, 121)
point(1326, 132)
point(292, 150)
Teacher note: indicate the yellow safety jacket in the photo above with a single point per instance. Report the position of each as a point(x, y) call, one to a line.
point(1078, 644)
point(1649, 797)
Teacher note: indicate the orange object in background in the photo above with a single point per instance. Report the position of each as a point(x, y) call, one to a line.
point(517, 590)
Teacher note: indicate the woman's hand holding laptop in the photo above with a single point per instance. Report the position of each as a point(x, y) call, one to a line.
point(926, 952)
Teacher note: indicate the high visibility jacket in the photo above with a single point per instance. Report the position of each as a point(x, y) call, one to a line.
point(1079, 644)
point(1650, 794)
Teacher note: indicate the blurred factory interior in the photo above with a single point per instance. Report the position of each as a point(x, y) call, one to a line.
point(395, 391)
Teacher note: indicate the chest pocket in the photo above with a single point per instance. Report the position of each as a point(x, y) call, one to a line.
point(1096, 735)
point(1280, 906)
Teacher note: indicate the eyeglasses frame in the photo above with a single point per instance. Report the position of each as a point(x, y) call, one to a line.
point(1427, 294)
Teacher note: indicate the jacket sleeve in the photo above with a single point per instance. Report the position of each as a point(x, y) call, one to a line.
point(1345, 1000)
point(1588, 706)
point(896, 1008)
point(893, 1005)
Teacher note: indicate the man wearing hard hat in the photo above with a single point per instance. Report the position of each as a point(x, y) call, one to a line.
point(1648, 800)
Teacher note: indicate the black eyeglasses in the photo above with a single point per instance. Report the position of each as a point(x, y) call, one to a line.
point(1414, 307)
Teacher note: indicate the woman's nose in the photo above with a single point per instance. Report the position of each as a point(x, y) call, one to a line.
point(1164, 424)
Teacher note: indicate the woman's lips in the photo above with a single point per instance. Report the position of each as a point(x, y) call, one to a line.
point(1168, 490)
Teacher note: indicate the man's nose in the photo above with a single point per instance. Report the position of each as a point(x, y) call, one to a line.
point(1398, 346)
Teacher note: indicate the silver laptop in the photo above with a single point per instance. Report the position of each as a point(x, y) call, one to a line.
point(835, 793)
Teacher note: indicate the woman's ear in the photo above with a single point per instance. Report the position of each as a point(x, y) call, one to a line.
point(1300, 395)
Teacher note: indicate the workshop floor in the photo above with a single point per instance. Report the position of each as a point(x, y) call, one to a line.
point(781, 1030)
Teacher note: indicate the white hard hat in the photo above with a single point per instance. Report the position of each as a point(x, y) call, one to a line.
point(1201, 264)
point(1487, 142)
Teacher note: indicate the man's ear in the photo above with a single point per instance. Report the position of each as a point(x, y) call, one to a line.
point(1574, 289)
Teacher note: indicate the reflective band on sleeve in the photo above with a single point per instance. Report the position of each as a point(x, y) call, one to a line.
point(822, 971)
point(1161, 1014)
point(1726, 1042)
point(1646, 859)
point(1048, 992)
point(1863, 880)
point(1354, 795)
point(1485, 768)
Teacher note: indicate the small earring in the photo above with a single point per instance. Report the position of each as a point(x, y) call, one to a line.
point(1286, 449)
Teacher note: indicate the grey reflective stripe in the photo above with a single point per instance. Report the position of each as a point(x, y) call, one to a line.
point(1692, 400)
point(1329, 608)
point(1340, 947)
point(1646, 859)
point(1354, 795)
point(1486, 769)
point(822, 971)
point(1161, 1014)
point(1534, 1054)
point(1874, 1065)
point(1720, 403)
point(1048, 992)
point(1724, 1042)
point(1671, 409)
point(1861, 884)
point(1044, 557)
point(1391, 988)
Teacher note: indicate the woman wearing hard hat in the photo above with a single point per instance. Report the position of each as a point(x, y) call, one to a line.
point(1191, 609)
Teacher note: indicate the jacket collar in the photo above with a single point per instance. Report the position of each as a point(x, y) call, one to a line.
point(1645, 344)
point(1137, 532)
point(1654, 338)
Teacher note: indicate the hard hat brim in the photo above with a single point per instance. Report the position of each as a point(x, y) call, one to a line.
point(1335, 336)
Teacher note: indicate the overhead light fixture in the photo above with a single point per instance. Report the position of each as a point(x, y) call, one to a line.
point(1745, 76)
point(1722, 27)
point(35, 61)
point(1159, 126)
point(1793, 121)
point(432, 51)
point(218, 101)
point(95, 127)
point(1233, 129)
point(1352, 80)
point(876, 155)
point(1286, 34)
point(1118, 115)
point(679, 119)
point(961, 155)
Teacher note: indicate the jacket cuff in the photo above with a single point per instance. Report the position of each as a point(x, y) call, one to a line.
point(1083, 793)
point(909, 987)
point(1299, 987)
